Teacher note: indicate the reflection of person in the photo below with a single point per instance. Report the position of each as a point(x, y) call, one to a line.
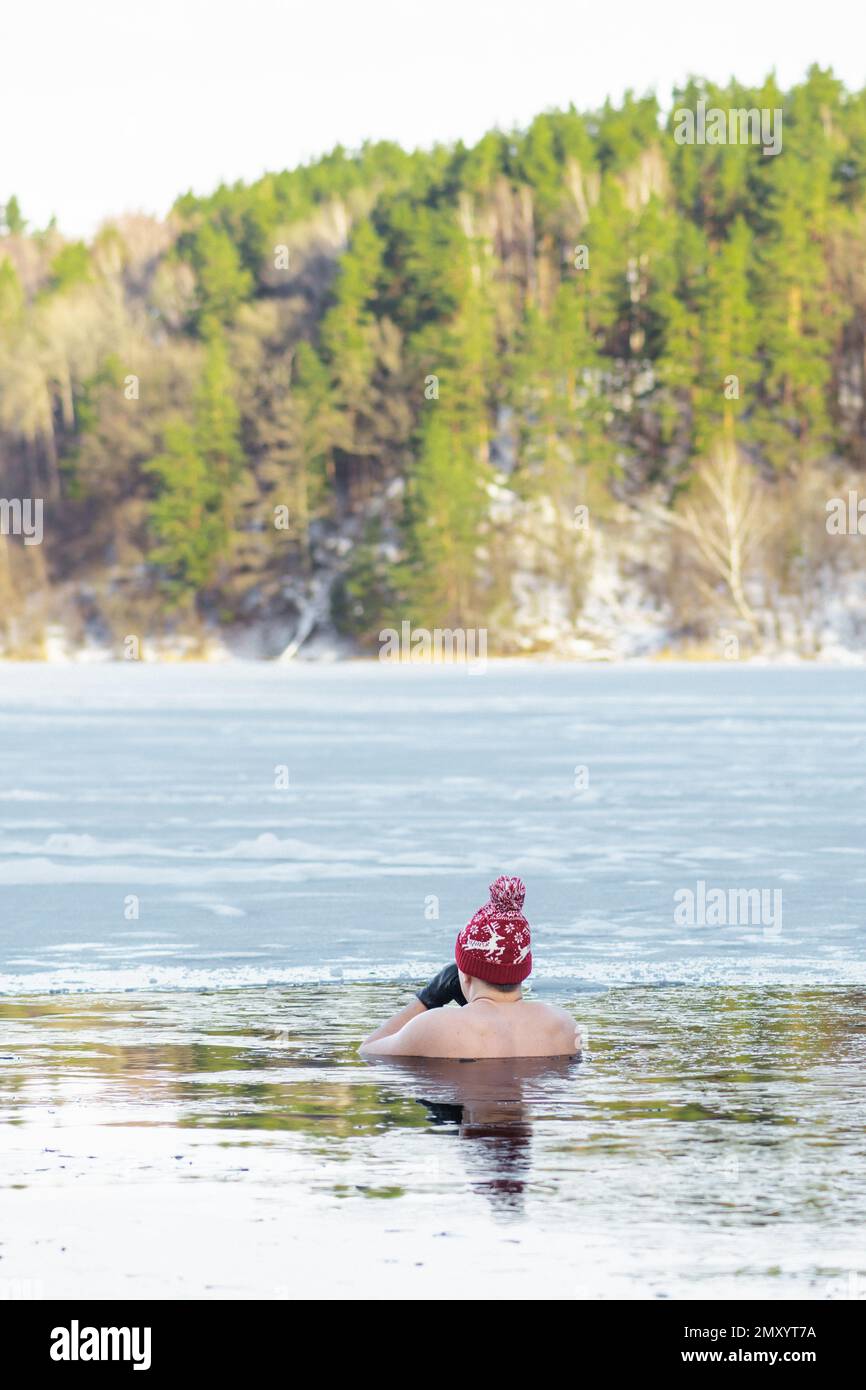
point(497, 1135)
point(486, 1100)
point(493, 956)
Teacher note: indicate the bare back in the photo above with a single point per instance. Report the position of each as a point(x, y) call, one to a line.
point(485, 1028)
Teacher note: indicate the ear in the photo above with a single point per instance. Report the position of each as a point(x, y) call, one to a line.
point(465, 982)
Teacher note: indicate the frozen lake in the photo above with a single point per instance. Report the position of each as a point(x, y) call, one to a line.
point(158, 791)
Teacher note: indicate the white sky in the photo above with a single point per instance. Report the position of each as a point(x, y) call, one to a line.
point(109, 106)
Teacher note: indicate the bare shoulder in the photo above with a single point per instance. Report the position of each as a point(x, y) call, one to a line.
point(551, 1011)
point(560, 1022)
point(422, 1036)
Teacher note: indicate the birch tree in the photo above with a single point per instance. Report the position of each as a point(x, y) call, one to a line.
point(724, 521)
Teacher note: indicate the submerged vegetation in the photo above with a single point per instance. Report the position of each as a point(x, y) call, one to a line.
point(575, 380)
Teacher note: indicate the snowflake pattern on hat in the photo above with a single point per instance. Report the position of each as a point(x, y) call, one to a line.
point(496, 944)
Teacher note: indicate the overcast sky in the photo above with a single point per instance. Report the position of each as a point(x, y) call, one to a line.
point(108, 106)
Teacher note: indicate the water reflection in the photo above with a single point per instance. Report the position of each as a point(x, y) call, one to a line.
point(716, 1106)
point(486, 1101)
point(712, 1144)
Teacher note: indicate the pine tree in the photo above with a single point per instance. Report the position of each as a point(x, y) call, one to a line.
point(725, 397)
point(14, 222)
point(191, 516)
point(187, 515)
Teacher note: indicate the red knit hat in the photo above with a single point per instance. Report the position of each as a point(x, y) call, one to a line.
point(495, 944)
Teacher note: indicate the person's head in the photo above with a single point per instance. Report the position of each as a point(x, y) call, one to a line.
point(493, 949)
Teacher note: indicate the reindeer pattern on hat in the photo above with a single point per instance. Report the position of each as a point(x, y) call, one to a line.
point(499, 932)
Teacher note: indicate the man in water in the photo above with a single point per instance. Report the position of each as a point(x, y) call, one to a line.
point(492, 958)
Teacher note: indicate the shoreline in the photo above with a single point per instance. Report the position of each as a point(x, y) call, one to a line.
point(844, 658)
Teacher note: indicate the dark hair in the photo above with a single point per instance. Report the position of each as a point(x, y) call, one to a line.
point(503, 989)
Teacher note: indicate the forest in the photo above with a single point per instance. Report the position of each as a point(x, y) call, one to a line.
point(582, 385)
